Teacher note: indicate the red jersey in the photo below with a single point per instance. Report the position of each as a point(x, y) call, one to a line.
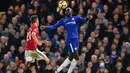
point(30, 43)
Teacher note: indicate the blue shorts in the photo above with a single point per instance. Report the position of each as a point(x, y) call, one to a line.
point(72, 45)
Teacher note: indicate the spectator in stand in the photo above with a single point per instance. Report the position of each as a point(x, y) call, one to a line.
point(95, 66)
point(100, 5)
point(48, 51)
point(1, 67)
point(8, 71)
point(127, 69)
point(74, 7)
point(102, 69)
point(44, 36)
point(5, 60)
point(12, 66)
point(36, 7)
point(101, 16)
point(118, 68)
point(21, 53)
point(49, 69)
point(20, 70)
point(94, 8)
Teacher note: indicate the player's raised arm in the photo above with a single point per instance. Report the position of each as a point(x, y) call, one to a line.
point(81, 19)
point(59, 23)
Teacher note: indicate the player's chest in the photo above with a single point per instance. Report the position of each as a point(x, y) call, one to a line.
point(31, 30)
point(70, 23)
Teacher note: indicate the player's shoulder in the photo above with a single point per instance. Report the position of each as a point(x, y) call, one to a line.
point(63, 19)
point(33, 26)
point(75, 16)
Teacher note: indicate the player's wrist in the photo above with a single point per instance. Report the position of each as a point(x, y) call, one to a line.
point(40, 44)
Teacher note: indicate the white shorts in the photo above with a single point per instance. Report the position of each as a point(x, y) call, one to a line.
point(31, 55)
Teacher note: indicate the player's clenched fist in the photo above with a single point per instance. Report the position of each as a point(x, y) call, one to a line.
point(43, 27)
point(90, 17)
point(46, 42)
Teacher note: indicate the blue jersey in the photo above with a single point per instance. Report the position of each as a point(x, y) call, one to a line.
point(70, 24)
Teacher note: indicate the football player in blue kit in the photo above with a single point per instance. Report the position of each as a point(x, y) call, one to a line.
point(71, 24)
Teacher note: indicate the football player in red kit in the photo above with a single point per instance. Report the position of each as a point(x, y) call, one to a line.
point(32, 53)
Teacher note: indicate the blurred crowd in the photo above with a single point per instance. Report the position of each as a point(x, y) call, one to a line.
point(104, 41)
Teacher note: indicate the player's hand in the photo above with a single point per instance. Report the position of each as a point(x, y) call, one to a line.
point(44, 42)
point(43, 27)
point(90, 17)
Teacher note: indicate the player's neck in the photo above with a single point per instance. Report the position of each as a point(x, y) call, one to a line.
point(68, 16)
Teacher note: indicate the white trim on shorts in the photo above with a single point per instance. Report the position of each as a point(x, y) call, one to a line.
point(72, 49)
point(41, 53)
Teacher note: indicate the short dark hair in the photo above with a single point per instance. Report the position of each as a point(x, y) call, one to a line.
point(33, 18)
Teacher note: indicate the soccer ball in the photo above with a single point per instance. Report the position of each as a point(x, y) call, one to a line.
point(62, 4)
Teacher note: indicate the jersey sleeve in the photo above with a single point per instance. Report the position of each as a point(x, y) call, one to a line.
point(59, 23)
point(81, 19)
point(34, 30)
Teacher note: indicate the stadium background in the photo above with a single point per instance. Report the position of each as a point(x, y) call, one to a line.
point(99, 38)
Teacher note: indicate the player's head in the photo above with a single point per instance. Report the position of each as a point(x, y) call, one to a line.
point(34, 19)
point(68, 12)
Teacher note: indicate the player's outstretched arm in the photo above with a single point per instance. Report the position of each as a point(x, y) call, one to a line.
point(81, 19)
point(59, 23)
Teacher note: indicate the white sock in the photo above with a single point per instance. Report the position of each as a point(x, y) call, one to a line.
point(64, 64)
point(72, 66)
